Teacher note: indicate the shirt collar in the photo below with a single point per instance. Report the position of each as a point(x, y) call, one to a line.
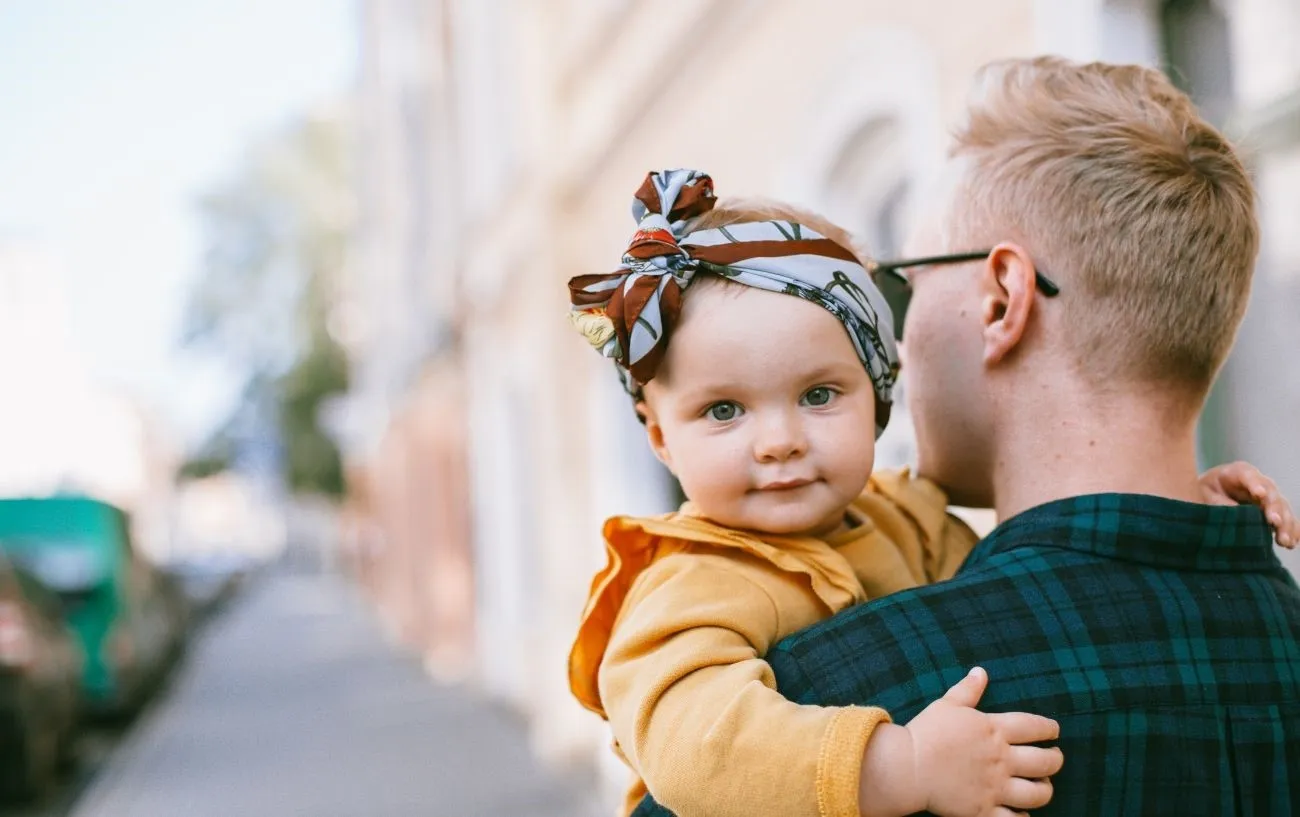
point(1149, 530)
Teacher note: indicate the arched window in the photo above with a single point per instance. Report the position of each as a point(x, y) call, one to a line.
point(866, 189)
point(871, 140)
point(867, 185)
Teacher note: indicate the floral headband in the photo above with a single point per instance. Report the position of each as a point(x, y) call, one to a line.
point(628, 315)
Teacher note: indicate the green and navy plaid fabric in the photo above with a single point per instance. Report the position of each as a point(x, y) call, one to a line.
point(1163, 636)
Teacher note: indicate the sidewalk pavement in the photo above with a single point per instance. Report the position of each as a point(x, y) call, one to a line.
point(291, 704)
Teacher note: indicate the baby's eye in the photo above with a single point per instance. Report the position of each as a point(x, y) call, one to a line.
point(819, 396)
point(724, 411)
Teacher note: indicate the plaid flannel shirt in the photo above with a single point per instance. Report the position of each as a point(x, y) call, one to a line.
point(1162, 635)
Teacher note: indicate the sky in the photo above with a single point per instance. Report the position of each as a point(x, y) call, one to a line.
point(114, 118)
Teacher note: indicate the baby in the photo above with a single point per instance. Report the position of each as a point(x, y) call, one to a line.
point(763, 392)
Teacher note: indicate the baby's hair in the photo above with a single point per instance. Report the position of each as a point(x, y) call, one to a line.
point(742, 209)
point(739, 210)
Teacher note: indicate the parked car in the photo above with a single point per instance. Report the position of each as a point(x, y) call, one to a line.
point(41, 664)
point(118, 604)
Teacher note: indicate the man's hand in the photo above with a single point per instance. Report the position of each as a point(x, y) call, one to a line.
point(957, 761)
point(1241, 483)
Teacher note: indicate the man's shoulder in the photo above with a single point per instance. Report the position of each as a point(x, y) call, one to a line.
point(911, 645)
point(1059, 628)
point(962, 591)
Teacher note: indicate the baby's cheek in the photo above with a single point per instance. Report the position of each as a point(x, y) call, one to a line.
point(715, 481)
point(728, 479)
point(851, 443)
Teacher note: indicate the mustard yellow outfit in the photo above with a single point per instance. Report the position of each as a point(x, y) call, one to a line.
point(671, 646)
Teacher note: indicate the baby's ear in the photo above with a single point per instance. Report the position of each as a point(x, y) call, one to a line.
point(654, 434)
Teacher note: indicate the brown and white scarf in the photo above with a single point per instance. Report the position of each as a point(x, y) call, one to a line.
point(629, 314)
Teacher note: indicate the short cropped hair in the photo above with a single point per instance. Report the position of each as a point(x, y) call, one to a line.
point(1123, 194)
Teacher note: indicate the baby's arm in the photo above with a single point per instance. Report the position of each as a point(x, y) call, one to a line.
point(954, 760)
point(694, 708)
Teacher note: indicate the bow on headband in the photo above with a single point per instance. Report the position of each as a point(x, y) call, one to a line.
point(629, 314)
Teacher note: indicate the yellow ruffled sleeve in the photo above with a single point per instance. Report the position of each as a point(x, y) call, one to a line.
point(671, 652)
point(933, 542)
point(694, 707)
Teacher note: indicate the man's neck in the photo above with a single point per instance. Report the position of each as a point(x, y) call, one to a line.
point(1073, 445)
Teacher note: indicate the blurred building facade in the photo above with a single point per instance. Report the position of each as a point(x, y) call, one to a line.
point(501, 144)
point(403, 426)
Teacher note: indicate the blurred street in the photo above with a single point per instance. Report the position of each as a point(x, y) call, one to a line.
point(292, 703)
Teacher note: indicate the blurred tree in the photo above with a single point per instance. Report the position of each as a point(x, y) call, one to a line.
point(276, 238)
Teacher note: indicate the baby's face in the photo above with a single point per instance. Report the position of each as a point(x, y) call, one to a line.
point(763, 411)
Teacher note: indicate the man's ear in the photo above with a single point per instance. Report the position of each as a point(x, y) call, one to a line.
point(654, 433)
point(1008, 286)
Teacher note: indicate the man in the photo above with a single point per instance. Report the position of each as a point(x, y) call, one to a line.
point(1059, 377)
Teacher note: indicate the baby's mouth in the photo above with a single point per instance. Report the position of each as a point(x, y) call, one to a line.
point(786, 484)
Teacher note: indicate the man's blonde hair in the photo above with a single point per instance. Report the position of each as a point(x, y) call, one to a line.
point(1124, 195)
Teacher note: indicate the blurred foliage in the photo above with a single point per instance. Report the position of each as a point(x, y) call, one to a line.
point(276, 237)
point(208, 462)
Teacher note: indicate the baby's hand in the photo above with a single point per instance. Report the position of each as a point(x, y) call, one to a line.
point(1242, 483)
point(967, 763)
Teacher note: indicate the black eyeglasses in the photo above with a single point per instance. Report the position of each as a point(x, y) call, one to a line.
point(897, 290)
